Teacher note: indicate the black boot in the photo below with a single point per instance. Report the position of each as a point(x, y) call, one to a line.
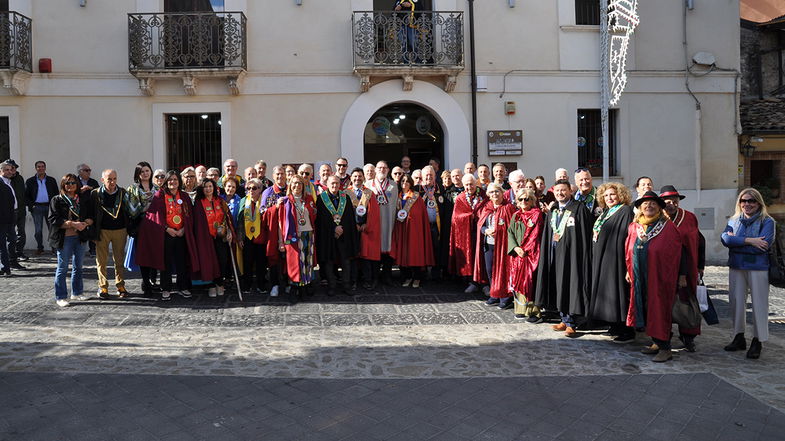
point(738, 343)
point(689, 342)
point(755, 347)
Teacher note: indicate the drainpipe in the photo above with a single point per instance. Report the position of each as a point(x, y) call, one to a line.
point(474, 81)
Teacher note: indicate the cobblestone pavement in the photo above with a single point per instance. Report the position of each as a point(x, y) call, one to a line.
point(395, 347)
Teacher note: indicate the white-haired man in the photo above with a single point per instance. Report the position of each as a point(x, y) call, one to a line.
point(439, 208)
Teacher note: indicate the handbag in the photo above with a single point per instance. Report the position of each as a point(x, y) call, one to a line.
point(686, 311)
point(776, 265)
point(703, 296)
point(710, 316)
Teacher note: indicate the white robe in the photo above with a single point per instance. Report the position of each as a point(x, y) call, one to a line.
point(387, 212)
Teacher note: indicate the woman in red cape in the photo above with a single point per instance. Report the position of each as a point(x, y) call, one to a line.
point(654, 259)
point(163, 246)
point(523, 247)
point(411, 234)
point(212, 249)
point(463, 233)
point(296, 223)
point(491, 248)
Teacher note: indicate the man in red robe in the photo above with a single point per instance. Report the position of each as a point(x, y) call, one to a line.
point(687, 225)
point(366, 210)
point(463, 233)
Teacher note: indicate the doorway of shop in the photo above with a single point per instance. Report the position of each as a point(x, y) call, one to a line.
point(403, 129)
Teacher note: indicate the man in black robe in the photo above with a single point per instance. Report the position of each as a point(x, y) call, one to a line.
point(439, 207)
point(337, 240)
point(563, 276)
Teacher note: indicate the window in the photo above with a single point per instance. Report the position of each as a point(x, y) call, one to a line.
point(587, 12)
point(5, 141)
point(193, 139)
point(590, 140)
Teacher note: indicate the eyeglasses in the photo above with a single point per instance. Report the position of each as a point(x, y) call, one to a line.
point(397, 173)
point(581, 169)
point(160, 176)
point(341, 165)
point(70, 183)
point(748, 201)
point(252, 188)
point(86, 170)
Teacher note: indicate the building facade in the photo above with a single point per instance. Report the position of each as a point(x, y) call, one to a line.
point(178, 82)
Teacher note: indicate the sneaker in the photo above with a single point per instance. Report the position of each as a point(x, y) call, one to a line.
point(22, 257)
point(166, 296)
point(79, 298)
point(492, 301)
point(185, 294)
point(63, 303)
point(406, 283)
point(212, 292)
point(520, 317)
point(122, 293)
point(624, 338)
point(219, 291)
point(535, 320)
point(103, 294)
point(15, 265)
point(416, 284)
point(471, 289)
point(274, 291)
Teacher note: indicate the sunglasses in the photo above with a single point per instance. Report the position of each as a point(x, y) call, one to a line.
point(341, 165)
point(70, 183)
point(160, 176)
point(748, 201)
point(86, 169)
point(523, 199)
point(251, 188)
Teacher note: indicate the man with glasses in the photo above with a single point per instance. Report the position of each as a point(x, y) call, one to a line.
point(397, 174)
point(565, 260)
point(270, 200)
point(230, 172)
point(336, 235)
point(39, 190)
point(86, 185)
point(306, 171)
point(586, 191)
point(517, 181)
point(341, 170)
point(109, 205)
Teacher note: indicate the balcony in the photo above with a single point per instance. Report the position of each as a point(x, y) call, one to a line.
point(16, 51)
point(407, 45)
point(190, 46)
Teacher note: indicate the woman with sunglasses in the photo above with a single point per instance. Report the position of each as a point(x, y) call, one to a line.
point(69, 219)
point(523, 247)
point(490, 262)
point(609, 298)
point(748, 236)
point(166, 237)
point(252, 237)
point(140, 195)
point(411, 236)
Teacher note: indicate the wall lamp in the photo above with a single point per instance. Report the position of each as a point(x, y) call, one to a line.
point(298, 2)
point(747, 149)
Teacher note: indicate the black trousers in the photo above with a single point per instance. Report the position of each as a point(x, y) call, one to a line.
point(175, 253)
point(254, 256)
point(21, 237)
point(222, 253)
point(329, 271)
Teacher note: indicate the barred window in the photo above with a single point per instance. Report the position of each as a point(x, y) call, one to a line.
point(590, 140)
point(587, 12)
point(193, 139)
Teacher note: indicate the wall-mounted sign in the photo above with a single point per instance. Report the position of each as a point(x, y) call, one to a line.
point(423, 125)
point(505, 142)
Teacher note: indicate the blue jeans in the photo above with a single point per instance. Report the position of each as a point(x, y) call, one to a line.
point(39, 219)
point(6, 235)
point(72, 251)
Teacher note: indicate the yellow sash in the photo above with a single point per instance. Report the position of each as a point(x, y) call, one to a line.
point(253, 221)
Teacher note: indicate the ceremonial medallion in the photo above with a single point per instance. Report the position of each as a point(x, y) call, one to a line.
point(301, 222)
point(556, 237)
point(177, 219)
point(402, 214)
point(361, 210)
point(337, 219)
point(381, 199)
point(253, 229)
point(441, 199)
point(180, 202)
point(432, 203)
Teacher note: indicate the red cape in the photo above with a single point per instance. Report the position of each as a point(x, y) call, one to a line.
point(522, 268)
point(501, 270)
point(371, 236)
point(150, 239)
point(209, 269)
point(663, 258)
point(687, 225)
point(463, 235)
point(287, 219)
point(411, 239)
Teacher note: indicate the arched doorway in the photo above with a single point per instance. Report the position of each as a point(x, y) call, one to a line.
point(403, 129)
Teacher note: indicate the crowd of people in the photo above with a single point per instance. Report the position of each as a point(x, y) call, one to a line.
point(585, 257)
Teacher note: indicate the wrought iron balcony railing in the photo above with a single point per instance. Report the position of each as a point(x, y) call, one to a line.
point(423, 38)
point(184, 41)
point(16, 42)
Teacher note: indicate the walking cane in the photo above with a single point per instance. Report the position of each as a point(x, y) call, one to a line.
point(236, 277)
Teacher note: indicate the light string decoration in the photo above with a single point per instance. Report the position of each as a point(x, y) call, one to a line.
point(622, 21)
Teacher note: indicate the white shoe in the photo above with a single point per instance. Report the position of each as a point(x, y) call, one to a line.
point(472, 288)
point(219, 290)
point(487, 290)
point(165, 295)
point(79, 298)
point(63, 303)
point(406, 283)
point(211, 293)
point(274, 291)
point(185, 294)
point(416, 284)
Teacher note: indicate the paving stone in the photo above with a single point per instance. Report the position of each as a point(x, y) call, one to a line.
point(476, 318)
point(303, 320)
point(346, 320)
point(442, 319)
point(393, 319)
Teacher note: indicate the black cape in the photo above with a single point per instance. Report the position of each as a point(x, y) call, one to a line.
point(610, 293)
point(563, 272)
point(441, 249)
point(328, 248)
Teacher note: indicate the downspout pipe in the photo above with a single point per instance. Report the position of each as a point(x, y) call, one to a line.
point(473, 67)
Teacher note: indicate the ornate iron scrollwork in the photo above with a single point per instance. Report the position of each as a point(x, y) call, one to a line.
point(16, 42)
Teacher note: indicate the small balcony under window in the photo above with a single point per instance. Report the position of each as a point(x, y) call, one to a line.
point(407, 45)
point(190, 46)
point(16, 51)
